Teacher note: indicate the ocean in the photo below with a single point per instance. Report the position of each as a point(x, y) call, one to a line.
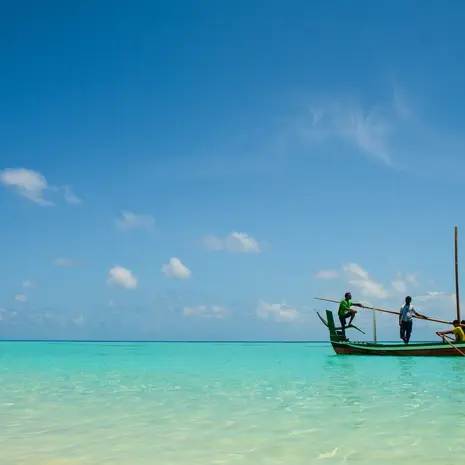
point(225, 403)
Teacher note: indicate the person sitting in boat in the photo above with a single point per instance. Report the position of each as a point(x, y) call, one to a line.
point(457, 332)
point(345, 311)
point(407, 312)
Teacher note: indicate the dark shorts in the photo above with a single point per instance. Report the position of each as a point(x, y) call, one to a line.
point(343, 318)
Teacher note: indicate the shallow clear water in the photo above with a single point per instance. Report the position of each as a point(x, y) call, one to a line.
point(194, 403)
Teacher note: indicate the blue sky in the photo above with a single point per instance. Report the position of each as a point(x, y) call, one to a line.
point(203, 170)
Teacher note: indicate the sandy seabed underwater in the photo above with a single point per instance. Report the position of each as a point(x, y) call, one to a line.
point(226, 403)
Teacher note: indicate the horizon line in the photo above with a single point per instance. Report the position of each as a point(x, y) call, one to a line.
point(148, 341)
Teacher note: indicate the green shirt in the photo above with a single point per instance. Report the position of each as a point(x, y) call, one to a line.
point(344, 307)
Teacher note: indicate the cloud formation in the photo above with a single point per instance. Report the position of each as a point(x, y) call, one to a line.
point(281, 313)
point(368, 130)
point(391, 131)
point(360, 278)
point(403, 282)
point(430, 296)
point(437, 304)
point(175, 269)
point(33, 186)
point(28, 183)
point(235, 242)
point(122, 277)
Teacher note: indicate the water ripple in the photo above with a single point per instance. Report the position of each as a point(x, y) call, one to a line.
point(85, 404)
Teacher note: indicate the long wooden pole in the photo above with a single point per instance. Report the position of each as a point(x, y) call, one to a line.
point(457, 274)
point(389, 311)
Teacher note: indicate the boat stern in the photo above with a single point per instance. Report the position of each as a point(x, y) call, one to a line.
point(335, 334)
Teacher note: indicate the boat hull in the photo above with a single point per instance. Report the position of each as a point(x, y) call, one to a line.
point(438, 349)
point(342, 346)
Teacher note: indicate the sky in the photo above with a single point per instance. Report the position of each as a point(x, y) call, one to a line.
point(202, 170)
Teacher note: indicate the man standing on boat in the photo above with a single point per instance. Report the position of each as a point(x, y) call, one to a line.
point(345, 311)
point(406, 319)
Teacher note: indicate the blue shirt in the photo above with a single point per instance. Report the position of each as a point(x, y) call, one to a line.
point(407, 312)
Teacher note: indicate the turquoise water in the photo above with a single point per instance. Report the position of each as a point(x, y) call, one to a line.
point(194, 403)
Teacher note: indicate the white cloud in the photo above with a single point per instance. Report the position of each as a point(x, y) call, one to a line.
point(437, 304)
point(368, 287)
point(122, 277)
point(355, 269)
point(70, 196)
point(128, 220)
point(174, 268)
point(276, 312)
point(32, 185)
point(236, 242)
point(368, 130)
point(402, 282)
point(212, 311)
point(391, 131)
point(241, 243)
point(28, 284)
point(429, 296)
point(327, 274)
point(62, 261)
point(20, 297)
point(27, 183)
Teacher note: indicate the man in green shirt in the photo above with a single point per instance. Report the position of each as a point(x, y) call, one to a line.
point(346, 312)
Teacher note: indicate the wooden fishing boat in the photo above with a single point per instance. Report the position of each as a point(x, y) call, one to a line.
point(423, 349)
point(443, 348)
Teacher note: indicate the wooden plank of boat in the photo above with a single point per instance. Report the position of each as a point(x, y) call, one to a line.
point(322, 319)
point(433, 349)
point(326, 323)
point(446, 339)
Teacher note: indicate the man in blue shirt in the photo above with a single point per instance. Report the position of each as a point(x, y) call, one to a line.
point(406, 319)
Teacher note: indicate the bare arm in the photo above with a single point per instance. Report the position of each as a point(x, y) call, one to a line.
point(420, 315)
point(443, 333)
